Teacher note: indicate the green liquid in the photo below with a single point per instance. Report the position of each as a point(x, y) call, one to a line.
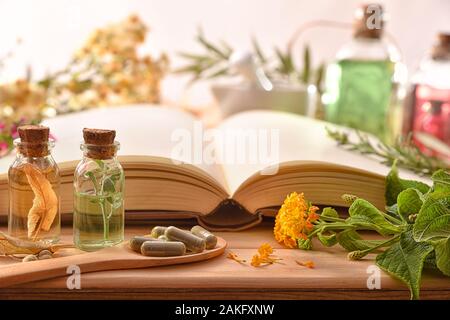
point(359, 94)
point(98, 221)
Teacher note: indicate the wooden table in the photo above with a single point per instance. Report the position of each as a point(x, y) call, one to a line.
point(334, 277)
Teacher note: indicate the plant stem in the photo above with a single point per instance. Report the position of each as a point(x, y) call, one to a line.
point(391, 218)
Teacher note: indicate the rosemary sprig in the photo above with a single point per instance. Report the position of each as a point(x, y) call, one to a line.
point(406, 154)
point(213, 63)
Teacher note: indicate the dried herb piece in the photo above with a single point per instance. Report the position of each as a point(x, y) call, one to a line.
point(11, 245)
point(45, 202)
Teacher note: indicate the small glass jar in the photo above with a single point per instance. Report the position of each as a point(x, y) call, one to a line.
point(34, 190)
point(98, 220)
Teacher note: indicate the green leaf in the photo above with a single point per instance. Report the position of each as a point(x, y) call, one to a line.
point(350, 240)
point(259, 53)
point(442, 249)
point(433, 220)
point(363, 214)
point(409, 202)
point(306, 65)
point(319, 77)
point(210, 47)
point(328, 240)
point(90, 175)
point(430, 261)
point(393, 211)
point(109, 186)
point(100, 164)
point(329, 212)
point(286, 66)
point(395, 185)
point(404, 260)
point(441, 179)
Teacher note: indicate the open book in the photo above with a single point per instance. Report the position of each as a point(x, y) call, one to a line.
point(228, 177)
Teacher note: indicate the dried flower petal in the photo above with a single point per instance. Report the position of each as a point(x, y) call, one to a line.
point(234, 256)
point(308, 264)
point(264, 256)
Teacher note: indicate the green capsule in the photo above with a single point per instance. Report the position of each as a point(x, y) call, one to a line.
point(158, 231)
point(210, 239)
point(136, 242)
point(193, 243)
point(163, 248)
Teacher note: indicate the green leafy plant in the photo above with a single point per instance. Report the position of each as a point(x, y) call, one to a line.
point(213, 63)
point(403, 151)
point(415, 228)
point(104, 184)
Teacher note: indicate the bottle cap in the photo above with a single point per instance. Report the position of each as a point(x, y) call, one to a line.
point(33, 140)
point(369, 21)
point(441, 50)
point(100, 143)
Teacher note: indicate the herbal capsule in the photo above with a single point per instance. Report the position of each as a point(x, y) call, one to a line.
point(192, 242)
point(30, 257)
point(163, 248)
point(210, 239)
point(158, 231)
point(163, 238)
point(44, 253)
point(136, 242)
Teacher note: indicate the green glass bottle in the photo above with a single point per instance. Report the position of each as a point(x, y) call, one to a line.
point(363, 87)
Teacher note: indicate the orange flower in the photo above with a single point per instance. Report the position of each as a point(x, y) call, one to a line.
point(294, 220)
point(265, 250)
point(264, 256)
point(256, 260)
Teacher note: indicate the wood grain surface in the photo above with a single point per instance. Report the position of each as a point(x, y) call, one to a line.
point(334, 276)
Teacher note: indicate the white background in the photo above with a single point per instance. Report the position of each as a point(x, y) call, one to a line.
point(52, 29)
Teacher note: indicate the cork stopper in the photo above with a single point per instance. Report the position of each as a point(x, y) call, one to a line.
point(33, 140)
point(368, 22)
point(100, 143)
point(441, 50)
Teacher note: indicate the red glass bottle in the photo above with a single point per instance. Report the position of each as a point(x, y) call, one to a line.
point(428, 106)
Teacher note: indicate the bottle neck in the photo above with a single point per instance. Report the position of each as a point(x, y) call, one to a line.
point(101, 152)
point(33, 150)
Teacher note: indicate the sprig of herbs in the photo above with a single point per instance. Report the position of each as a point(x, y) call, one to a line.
point(213, 63)
point(404, 152)
point(415, 227)
point(105, 191)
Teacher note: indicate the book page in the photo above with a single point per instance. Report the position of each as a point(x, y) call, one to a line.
point(143, 130)
point(283, 137)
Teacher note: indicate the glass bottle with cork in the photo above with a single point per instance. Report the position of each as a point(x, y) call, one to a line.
point(34, 183)
point(427, 107)
point(98, 220)
point(364, 87)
